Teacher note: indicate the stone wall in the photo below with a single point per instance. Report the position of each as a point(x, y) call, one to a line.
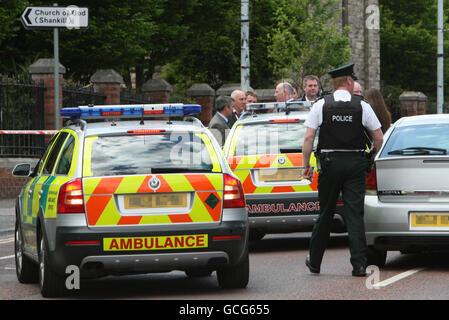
point(363, 18)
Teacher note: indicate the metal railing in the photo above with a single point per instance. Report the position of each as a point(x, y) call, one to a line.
point(21, 108)
point(133, 98)
point(75, 95)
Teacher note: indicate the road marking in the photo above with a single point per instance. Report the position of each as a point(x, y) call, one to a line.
point(7, 240)
point(7, 257)
point(398, 277)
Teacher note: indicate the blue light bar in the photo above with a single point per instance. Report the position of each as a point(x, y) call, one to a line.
point(73, 113)
point(130, 111)
point(174, 109)
point(192, 109)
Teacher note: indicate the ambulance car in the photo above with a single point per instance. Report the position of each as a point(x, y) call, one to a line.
point(264, 150)
point(130, 196)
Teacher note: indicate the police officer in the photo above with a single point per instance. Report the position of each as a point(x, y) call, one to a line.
point(342, 118)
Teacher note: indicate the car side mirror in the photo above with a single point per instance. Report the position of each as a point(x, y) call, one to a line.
point(22, 170)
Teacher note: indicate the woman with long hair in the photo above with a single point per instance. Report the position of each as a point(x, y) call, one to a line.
point(375, 99)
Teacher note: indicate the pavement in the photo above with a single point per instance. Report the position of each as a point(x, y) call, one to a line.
point(7, 217)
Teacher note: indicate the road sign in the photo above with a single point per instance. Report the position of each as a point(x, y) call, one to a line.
point(71, 17)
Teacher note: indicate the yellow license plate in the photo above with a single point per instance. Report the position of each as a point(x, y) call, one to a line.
point(156, 243)
point(155, 201)
point(272, 175)
point(430, 220)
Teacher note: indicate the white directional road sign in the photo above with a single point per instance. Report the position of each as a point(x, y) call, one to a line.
point(71, 17)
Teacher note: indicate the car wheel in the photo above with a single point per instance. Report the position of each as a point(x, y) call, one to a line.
point(51, 284)
point(234, 277)
point(26, 269)
point(376, 256)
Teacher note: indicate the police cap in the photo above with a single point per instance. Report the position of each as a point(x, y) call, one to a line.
point(346, 70)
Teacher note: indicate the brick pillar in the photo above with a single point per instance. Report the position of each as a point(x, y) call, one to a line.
point(108, 81)
point(412, 103)
point(422, 101)
point(43, 71)
point(157, 91)
point(203, 94)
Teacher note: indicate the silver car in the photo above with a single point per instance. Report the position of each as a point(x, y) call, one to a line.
point(407, 197)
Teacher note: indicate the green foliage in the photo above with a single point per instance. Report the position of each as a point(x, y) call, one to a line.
point(124, 35)
point(304, 41)
point(262, 21)
point(199, 41)
point(211, 53)
point(409, 45)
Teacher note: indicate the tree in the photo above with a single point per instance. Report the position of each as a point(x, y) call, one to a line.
point(409, 45)
point(211, 52)
point(13, 53)
point(126, 35)
point(304, 41)
point(129, 36)
point(262, 20)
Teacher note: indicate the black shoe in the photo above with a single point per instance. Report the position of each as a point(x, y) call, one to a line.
point(359, 272)
point(311, 268)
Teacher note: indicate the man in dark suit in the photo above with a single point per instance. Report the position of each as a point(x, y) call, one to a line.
point(311, 88)
point(219, 124)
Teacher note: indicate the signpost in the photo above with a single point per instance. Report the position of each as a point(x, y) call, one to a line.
point(71, 17)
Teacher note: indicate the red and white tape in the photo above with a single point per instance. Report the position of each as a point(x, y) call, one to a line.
point(28, 131)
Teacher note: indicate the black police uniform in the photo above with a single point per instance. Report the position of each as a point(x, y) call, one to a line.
point(341, 145)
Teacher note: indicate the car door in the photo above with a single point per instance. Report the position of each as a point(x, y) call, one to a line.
point(33, 191)
point(62, 172)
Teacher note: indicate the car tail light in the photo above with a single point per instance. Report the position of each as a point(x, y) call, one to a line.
point(233, 196)
point(371, 181)
point(71, 199)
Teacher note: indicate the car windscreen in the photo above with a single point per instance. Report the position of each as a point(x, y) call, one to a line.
point(146, 154)
point(270, 138)
point(425, 139)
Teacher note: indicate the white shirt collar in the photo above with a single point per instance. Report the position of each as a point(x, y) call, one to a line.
point(342, 95)
point(225, 119)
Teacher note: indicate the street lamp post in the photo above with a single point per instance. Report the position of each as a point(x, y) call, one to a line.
point(440, 59)
point(244, 73)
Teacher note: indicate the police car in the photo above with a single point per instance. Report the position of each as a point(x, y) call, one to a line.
point(264, 150)
point(134, 196)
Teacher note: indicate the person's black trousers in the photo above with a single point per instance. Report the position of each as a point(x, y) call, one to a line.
point(345, 173)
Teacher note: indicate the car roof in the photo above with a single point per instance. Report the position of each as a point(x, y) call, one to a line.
point(264, 117)
point(422, 119)
point(94, 128)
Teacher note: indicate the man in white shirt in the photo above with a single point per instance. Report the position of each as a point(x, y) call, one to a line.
point(284, 92)
point(238, 106)
point(342, 118)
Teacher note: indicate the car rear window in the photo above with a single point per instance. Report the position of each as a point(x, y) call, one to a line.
point(146, 154)
point(426, 139)
point(270, 138)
